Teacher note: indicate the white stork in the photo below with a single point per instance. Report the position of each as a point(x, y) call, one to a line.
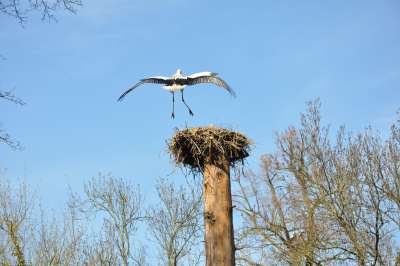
point(179, 81)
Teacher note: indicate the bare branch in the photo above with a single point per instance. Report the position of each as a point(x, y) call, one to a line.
point(320, 202)
point(8, 140)
point(47, 8)
point(9, 96)
point(121, 204)
point(175, 222)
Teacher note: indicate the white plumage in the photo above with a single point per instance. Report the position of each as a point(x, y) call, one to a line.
point(178, 82)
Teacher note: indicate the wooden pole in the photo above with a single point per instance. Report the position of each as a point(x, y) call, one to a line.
point(212, 150)
point(219, 241)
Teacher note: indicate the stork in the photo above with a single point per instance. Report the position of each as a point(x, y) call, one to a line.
point(179, 81)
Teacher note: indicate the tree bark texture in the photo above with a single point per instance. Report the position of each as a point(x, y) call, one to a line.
point(219, 241)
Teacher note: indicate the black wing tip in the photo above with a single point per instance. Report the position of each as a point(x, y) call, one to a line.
point(231, 92)
point(129, 90)
point(122, 96)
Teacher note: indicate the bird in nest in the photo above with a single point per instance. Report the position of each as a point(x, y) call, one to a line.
point(179, 81)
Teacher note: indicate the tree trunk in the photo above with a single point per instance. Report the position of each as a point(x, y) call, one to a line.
point(18, 250)
point(220, 247)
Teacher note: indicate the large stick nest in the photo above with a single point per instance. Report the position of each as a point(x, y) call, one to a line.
point(194, 147)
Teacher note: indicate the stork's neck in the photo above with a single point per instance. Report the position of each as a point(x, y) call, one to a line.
point(178, 74)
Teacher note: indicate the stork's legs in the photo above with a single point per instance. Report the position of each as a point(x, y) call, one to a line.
point(173, 105)
point(183, 100)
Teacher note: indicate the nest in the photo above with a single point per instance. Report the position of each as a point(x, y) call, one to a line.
point(195, 147)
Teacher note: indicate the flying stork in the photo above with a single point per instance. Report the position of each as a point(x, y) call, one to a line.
point(179, 81)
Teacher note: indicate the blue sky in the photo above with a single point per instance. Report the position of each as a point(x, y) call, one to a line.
point(275, 54)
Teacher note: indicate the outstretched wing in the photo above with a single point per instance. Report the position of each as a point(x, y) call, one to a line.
point(209, 77)
point(158, 80)
point(154, 80)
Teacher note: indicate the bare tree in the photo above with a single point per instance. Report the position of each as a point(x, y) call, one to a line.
point(320, 203)
point(60, 241)
point(121, 204)
point(14, 217)
point(175, 222)
point(99, 251)
point(72, 239)
point(280, 220)
point(75, 240)
point(391, 171)
point(25, 240)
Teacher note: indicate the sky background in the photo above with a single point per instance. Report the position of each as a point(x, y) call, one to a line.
point(276, 55)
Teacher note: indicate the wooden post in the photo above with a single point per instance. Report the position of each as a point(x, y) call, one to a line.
point(219, 241)
point(212, 151)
